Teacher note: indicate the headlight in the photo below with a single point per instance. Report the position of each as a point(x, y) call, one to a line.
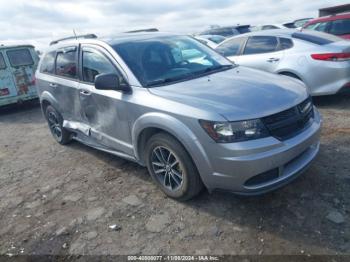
point(229, 132)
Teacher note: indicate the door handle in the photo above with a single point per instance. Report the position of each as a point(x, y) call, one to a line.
point(273, 59)
point(85, 92)
point(53, 85)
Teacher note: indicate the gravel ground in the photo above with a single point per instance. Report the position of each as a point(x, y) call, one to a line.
point(76, 200)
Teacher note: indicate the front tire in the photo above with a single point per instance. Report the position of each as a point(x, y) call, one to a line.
point(172, 168)
point(55, 122)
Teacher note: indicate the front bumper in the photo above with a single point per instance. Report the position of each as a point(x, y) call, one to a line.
point(236, 167)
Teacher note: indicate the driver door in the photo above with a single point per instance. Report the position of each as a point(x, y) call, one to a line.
point(104, 111)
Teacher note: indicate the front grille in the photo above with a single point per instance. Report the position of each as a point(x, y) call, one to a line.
point(290, 122)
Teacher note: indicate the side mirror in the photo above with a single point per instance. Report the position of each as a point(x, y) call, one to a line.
point(111, 82)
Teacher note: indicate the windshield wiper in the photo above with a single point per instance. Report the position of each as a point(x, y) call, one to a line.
point(214, 69)
point(162, 81)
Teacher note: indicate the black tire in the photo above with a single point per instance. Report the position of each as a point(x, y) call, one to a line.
point(191, 183)
point(55, 122)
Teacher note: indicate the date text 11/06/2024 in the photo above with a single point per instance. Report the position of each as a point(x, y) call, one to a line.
point(173, 258)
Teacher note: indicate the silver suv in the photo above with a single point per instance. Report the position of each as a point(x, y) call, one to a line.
point(172, 104)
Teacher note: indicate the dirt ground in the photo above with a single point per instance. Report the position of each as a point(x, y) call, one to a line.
point(63, 199)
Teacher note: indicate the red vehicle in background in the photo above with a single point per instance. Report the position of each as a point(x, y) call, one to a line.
point(338, 25)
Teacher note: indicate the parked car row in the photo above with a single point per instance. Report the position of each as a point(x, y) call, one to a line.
point(299, 23)
point(227, 31)
point(320, 60)
point(338, 25)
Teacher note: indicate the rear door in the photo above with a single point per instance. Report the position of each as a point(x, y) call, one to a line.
point(7, 86)
point(23, 62)
point(261, 52)
point(65, 84)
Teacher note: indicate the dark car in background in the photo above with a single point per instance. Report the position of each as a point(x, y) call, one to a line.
point(338, 25)
point(227, 31)
point(297, 23)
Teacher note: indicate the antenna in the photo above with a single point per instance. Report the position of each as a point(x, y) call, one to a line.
point(76, 38)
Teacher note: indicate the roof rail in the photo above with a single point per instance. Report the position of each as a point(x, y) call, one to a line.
point(87, 36)
point(143, 30)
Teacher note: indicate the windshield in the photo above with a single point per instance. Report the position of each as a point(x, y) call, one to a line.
point(164, 60)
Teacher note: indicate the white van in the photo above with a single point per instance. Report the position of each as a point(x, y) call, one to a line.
point(17, 73)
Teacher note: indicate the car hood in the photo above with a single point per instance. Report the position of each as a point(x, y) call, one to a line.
point(237, 94)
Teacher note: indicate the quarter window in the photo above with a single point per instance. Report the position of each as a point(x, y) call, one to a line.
point(285, 43)
point(48, 63)
point(231, 47)
point(66, 64)
point(20, 57)
point(2, 62)
point(260, 44)
point(95, 63)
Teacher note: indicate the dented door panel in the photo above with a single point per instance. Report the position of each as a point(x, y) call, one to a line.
point(105, 112)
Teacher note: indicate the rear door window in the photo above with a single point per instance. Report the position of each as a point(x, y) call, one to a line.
point(20, 57)
point(231, 47)
point(260, 45)
point(66, 63)
point(340, 27)
point(48, 63)
point(285, 43)
point(2, 62)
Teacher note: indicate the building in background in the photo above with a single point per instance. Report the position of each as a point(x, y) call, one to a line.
point(333, 10)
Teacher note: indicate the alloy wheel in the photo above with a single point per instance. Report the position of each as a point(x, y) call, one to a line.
point(54, 125)
point(167, 168)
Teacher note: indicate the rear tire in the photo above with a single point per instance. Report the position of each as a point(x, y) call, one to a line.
point(55, 122)
point(172, 168)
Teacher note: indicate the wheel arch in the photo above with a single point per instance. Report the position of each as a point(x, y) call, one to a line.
point(152, 123)
point(291, 73)
point(46, 99)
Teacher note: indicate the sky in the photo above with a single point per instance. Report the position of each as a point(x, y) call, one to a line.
point(40, 21)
